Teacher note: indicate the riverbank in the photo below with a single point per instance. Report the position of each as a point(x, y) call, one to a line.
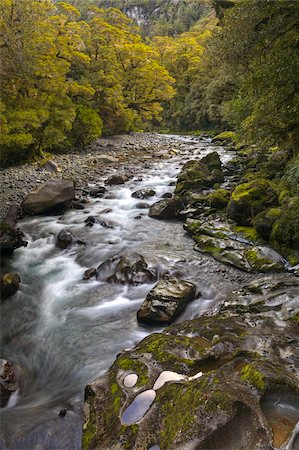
point(84, 166)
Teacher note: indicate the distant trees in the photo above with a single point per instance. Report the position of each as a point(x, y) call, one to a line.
point(63, 79)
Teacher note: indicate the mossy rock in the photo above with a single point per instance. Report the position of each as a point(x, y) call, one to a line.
point(196, 176)
point(285, 231)
point(264, 221)
point(212, 161)
point(219, 198)
point(191, 410)
point(226, 137)
point(249, 199)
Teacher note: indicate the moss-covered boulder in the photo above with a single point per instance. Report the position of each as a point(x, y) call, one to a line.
point(264, 221)
point(225, 371)
point(198, 175)
point(249, 199)
point(225, 138)
point(221, 241)
point(166, 301)
point(219, 198)
point(9, 285)
point(285, 231)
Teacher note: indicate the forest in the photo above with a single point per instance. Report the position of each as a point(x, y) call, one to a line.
point(68, 78)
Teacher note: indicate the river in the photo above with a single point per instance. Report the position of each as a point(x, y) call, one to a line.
point(61, 331)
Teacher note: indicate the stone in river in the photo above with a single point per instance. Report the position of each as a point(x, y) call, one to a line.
point(143, 193)
point(166, 301)
point(9, 285)
point(51, 195)
point(166, 209)
point(64, 239)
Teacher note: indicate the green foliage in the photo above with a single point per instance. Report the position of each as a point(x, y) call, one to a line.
point(87, 126)
point(64, 79)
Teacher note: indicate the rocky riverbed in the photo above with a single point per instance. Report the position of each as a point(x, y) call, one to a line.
point(123, 152)
point(100, 280)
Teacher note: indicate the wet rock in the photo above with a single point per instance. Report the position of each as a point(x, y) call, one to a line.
point(166, 301)
point(249, 199)
point(97, 192)
point(10, 239)
point(212, 161)
point(241, 360)
point(196, 176)
point(77, 205)
point(144, 193)
point(8, 382)
point(91, 221)
point(225, 245)
point(9, 285)
point(64, 239)
point(90, 273)
point(167, 195)
point(143, 205)
point(166, 209)
point(264, 221)
point(51, 195)
point(116, 180)
point(126, 269)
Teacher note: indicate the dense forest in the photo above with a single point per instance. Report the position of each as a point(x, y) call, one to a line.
point(68, 75)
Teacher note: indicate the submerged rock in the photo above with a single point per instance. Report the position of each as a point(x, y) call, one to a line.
point(144, 193)
point(239, 360)
point(116, 179)
point(51, 195)
point(167, 209)
point(124, 269)
point(8, 382)
point(249, 199)
point(166, 301)
point(10, 239)
point(9, 285)
point(64, 239)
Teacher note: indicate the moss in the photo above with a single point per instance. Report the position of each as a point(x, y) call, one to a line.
point(135, 366)
point(219, 198)
point(180, 404)
point(295, 318)
point(253, 376)
point(249, 199)
point(249, 233)
point(88, 435)
point(285, 231)
point(128, 436)
point(225, 137)
point(262, 264)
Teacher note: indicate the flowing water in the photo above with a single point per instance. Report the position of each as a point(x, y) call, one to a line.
point(61, 331)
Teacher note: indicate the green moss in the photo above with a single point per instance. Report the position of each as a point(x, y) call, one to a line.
point(128, 436)
point(219, 198)
point(262, 264)
point(253, 376)
point(180, 405)
point(88, 435)
point(135, 366)
point(248, 232)
point(295, 318)
point(229, 136)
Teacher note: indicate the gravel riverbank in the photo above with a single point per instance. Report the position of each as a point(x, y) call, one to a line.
point(85, 166)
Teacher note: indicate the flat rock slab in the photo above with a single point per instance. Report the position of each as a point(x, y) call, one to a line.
point(166, 301)
point(50, 195)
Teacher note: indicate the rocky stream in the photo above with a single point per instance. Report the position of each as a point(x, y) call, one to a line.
point(100, 280)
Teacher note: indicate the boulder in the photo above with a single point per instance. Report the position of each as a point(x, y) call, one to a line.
point(225, 138)
point(116, 180)
point(249, 199)
point(51, 195)
point(9, 285)
point(50, 166)
point(166, 301)
point(196, 176)
point(285, 231)
point(166, 209)
point(222, 377)
point(8, 382)
point(212, 161)
point(90, 273)
point(144, 193)
point(263, 222)
point(10, 239)
point(64, 239)
point(126, 269)
point(221, 241)
point(90, 221)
